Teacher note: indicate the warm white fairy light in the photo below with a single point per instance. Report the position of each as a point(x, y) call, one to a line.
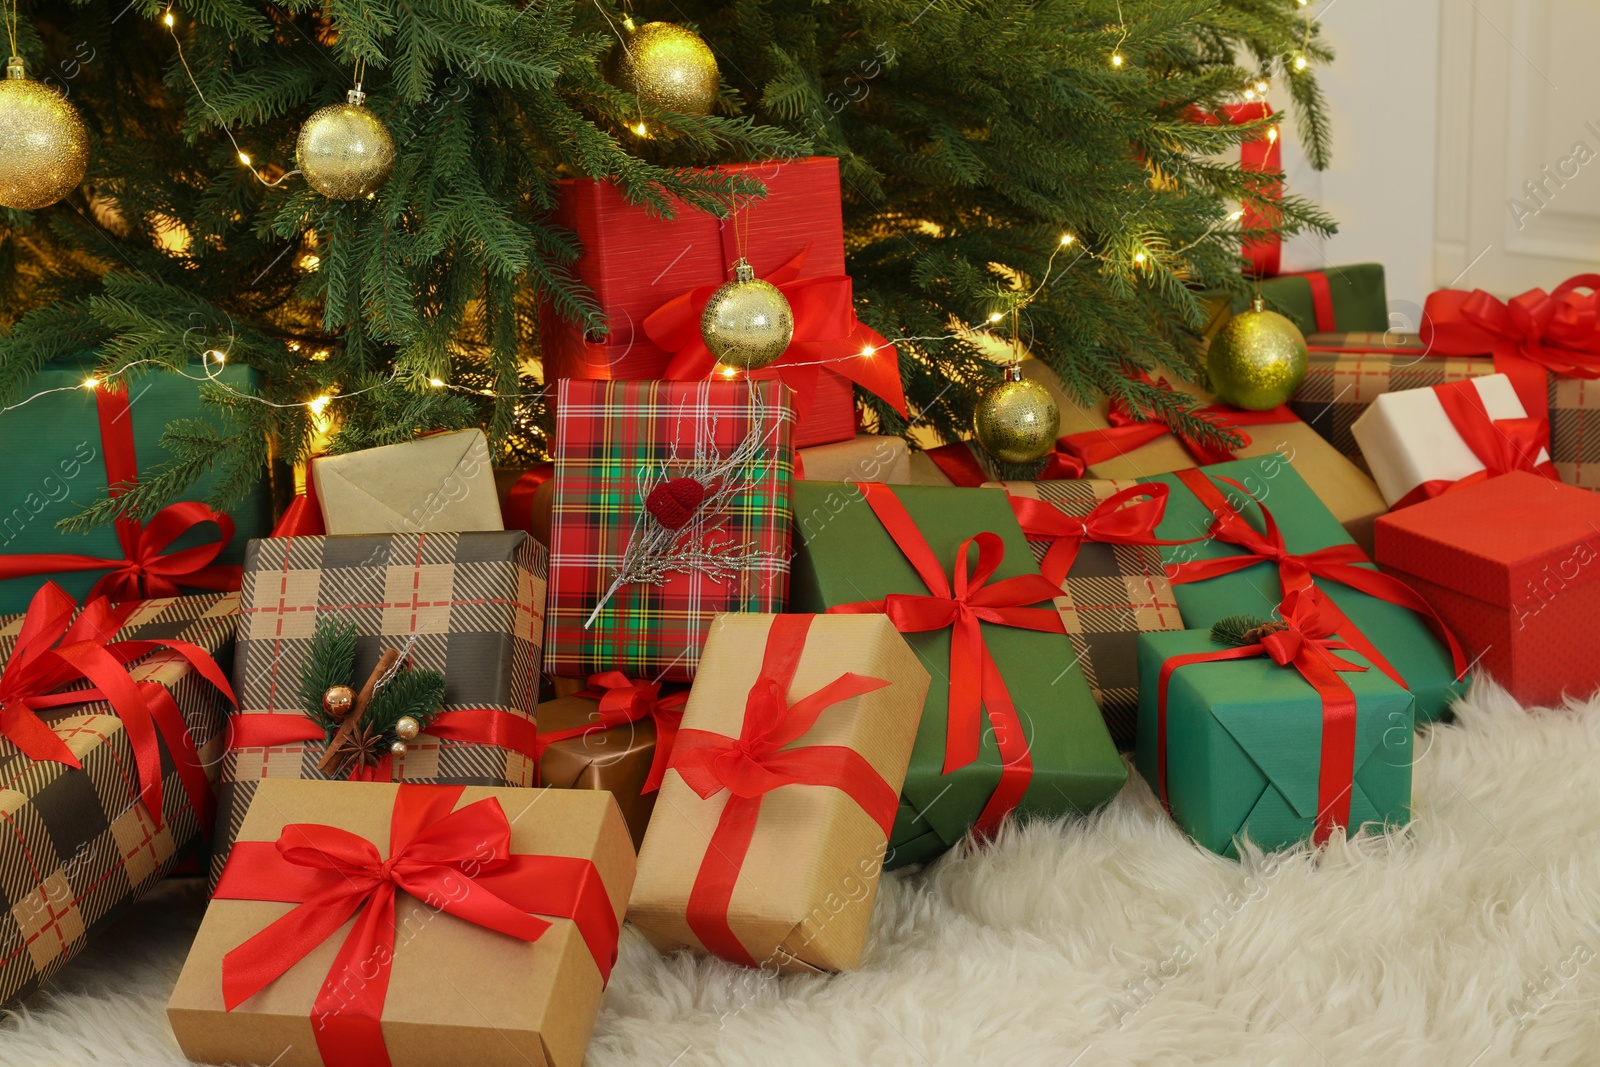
point(437, 383)
point(1300, 63)
point(90, 383)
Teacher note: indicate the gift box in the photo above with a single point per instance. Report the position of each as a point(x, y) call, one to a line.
point(671, 505)
point(83, 842)
point(772, 860)
point(470, 605)
point(1010, 723)
point(1422, 442)
point(614, 736)
point(1351, 298)
point(651, 276)
point(865, 458)
point(486, 938)
point(442, 482)
point(1507, 564)
point(1096, 539)
point(63, 449)
point(1264, 533)
point(1300, 738)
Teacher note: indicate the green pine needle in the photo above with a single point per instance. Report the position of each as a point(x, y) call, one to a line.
point(1235, 629)
point(329, 662)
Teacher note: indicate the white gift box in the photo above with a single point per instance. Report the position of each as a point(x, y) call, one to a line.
point(1408, 439)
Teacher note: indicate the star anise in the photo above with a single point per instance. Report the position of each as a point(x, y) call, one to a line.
point(359, 748)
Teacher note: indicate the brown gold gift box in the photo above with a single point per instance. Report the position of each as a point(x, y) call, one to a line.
point(802, 894)
point(457, 992)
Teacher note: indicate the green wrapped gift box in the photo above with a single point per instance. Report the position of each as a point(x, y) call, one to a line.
point(1352, 298)
point(1244, 745)
point(1306, 525)
point(844, 555)
point(56, 465)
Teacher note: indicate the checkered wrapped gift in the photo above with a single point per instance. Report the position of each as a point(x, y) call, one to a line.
point(79, 845)
point(470, 605)
point(635, 580)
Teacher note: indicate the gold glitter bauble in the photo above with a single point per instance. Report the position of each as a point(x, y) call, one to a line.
point(1257, 360)
point(406, 728)
point(1017, 420)
point(398, 748)
point(345, 151)
point(747, 323)
point(44, 145)
point(667, 67)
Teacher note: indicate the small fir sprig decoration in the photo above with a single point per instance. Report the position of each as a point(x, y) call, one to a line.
point(396, 704)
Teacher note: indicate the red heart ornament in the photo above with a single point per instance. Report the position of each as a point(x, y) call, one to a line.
point(674, 502)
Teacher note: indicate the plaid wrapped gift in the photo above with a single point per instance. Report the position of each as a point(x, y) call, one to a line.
point(614, 440)
point(473, 601)
point(78, 846)
point(1347, 371)
point(1114, 592)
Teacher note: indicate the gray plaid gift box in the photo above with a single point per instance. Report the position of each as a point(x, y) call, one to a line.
point(79, 846)
point(1113, 594)
point(474, 603)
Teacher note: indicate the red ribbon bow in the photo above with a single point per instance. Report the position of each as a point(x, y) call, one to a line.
point(147, 569)
point(1501, 445)
point(1306, 644)
point(54, 649)
point(760, 760)
point(1339, 563)
point(826, 331)
point(459, 862)
point(623, 700)
point(1129, 517)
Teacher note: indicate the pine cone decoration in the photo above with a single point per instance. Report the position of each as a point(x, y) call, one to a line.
point(1256, 633)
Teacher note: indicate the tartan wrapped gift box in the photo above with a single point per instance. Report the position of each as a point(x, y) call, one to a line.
point(1264, 534)
point(65, 447)
point(671, 505)
point(1096, 539)
point(1009, 723)
point(470, 605)
point(78, 845)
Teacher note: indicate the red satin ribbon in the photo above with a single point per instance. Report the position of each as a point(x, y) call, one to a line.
point(146, 568)
point(1339, 563)
point(624, 700)
point(1501, 445)
point(1321, 300)
point(1306, 646)
point(459, 862)
point(517, 511)
point(1129, 517)
point(975, 679)
point(1533, 335)
point(54, 649)
point(1262, 155)
point(826, 331)
point(758, 761)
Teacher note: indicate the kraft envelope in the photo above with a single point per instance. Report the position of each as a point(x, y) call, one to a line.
point(442, 483)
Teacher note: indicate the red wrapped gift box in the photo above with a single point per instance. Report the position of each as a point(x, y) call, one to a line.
point(1511, 565)
point(651, 275)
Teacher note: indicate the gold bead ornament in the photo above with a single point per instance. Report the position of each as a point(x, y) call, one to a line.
point(1016, 421)
point(345, 151)
point(1257, 360)
point(338, 701)
point(406, 728)
point(747, 323)
point(44, 145)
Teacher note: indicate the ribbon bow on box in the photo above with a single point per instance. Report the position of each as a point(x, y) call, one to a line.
point(1501, 445)
point(1303, 639)
point(624, 700)
point(56, 649)
point(760, 760)
point(459, 862)
point(1128, 517)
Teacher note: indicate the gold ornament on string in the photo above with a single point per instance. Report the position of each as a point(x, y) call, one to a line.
point(345, 151)
point(747, 324)
point(667, 67)
point(1257, 360)
point(1016, 420)
point(44, 145)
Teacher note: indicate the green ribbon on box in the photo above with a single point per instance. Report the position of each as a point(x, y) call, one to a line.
point(844, 555)
point(56, 465)
point(1352, 298)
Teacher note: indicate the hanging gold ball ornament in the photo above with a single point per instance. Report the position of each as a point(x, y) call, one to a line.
point(747, 323)
point(1257, 360)
point(406, 728)
point(667, 67)
point(344, 150)
point(1017, 420)
point(44, 145)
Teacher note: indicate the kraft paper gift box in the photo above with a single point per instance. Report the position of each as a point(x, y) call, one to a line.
point(475, 604)
point(1510, 564)
point(65, 447)
point(846, 556)
point(441, 483)
point(79, 845)
point(804, 857)
point(1244, 741)
point(1410, 439)
point(645, 613)
point(1395, 632)
point(866, 458)
point(440, 988)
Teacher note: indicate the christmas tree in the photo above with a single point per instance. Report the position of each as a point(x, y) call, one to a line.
point(993, 153)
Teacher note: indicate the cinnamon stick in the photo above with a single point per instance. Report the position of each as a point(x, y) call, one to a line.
point(334, 755)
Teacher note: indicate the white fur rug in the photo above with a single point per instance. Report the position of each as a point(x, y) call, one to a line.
point(1469, 941)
